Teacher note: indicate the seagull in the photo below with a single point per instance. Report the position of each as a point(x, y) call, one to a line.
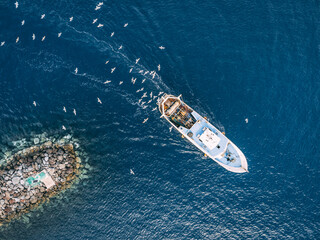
point(17, 40)
point(143, 80)
point(139, 101)
point(154, 109)
point(162, 47)
point(112, 69)
point(120, 47)
point(59, 34)
point(120, 82)
point(159, 67)
point(97, 8)
point(71, 19)
point(100, 25)
point(153, 75)
point(151, 95)
point(131, 172)
point(144, 95)
point(108, 81)
point(2, 43)
point(63, 127)
point(34, 103)
point(74, 112)
point(76, 71)
point(112, 34)
point(125, 25)
point(43, 38)
point(42, 16)
point(99, 101)
point(100, 4)
point(130, 70)
point(146, 72)
point(107, 62)
point(149, 101)
point(133, 80)
point(137, 60)
point(142, 103)
point(160, 93)
point(16, 4)
point(145, 120)
point(33, 36)
point(141, 71)
point(247, 120)
point(64, 109)
point(22, 23)
point(170, 128)
point(94, 21)
point(154, 97)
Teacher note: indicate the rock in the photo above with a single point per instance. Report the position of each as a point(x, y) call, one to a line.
point(60, 158)
point(22, 182)
point(11, 201)
point(33, 200)
point(62, 166)
point(7, 197)
point(42, 189)
point(48, 144)
point(15, 180)
point(36, 140)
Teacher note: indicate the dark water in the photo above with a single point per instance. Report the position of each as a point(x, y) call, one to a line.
point(230, 60)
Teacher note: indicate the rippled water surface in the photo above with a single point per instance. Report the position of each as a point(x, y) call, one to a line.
point(231, 60)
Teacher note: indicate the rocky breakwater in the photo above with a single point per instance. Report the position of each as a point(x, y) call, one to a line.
point(33, 175)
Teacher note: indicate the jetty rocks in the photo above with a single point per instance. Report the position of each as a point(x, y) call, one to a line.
point(33, 175)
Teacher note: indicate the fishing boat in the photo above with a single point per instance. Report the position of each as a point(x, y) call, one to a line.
point(197, 129)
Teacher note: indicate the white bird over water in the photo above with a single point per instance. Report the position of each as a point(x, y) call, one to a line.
point(42, 16)
point(146, 72)
point(144, 95)
point(17, 40)
point(107, 62)
point(141, 71)
point(34, 103)
point(71, 19)
point(112, 69)
point(64, 109)
point(162, 47)
point(154, 109)
point(22, 23)
point(143, 80)
point(2, 43)
point(159, 67)
point(170, 128)
point(33, 36)
point(59, 34)
point(151, 95)
point(112, 34)
point(16, 4)
point(75, 112)
point(99, 101)
point(131, 172)
point(76, 71)
point(120, 47)
point(139, 90)
point(145, 120)
point(247, 120)
point(125, 25)
point(63, 127)
point(130, 70)
point(97, 8)
point(120, 82)
point(133, 80)
point(100, 25)
point(94, 21)
point(137, 60)
point(43, 38)
point(108, 81)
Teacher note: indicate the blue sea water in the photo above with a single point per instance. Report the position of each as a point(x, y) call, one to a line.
point(231, 60)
